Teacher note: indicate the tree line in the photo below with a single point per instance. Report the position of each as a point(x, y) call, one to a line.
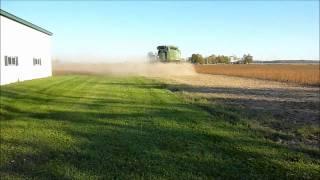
point(219, 59)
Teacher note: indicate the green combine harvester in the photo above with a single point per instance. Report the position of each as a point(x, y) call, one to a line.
point(168, 54)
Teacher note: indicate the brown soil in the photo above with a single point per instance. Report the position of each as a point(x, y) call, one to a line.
point(290, 103)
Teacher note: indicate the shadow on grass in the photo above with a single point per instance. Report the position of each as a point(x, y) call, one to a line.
point(112, 149)
point(147, 139)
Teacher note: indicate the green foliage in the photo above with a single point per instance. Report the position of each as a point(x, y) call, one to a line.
point(98, 127)
point(247, 59)
point(220, 59)
point(213, 59)
point(197, 59)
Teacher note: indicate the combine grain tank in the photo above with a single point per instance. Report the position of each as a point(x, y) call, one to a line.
point(169, 54)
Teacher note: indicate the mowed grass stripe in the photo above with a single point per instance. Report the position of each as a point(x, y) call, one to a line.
point(34, 99)
point(104, 127)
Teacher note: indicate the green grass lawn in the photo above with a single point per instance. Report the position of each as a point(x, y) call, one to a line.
point(102, 127)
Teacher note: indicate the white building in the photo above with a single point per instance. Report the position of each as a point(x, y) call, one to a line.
point(234, 59)
point(25, 50)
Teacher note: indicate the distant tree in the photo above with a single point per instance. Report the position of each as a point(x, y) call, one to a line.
point(219, 59)
point(247, 59)
point(227, 60)
point(197, 59)
point(211, 59)
point(223, 59)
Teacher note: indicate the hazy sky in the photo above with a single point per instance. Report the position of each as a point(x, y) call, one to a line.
point(130, 29)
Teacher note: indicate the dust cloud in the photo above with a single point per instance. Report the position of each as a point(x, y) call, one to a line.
point(125, 69)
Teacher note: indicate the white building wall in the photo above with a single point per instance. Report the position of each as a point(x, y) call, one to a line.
point(26, 43)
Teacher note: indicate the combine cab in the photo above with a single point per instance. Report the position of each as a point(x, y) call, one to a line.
point(169, 54)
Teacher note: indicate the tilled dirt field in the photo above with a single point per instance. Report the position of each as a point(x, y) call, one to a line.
point(292, 105)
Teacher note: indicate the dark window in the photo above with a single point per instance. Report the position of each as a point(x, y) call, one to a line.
point(11, 60)
point(6, 60)
point(36, 61)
